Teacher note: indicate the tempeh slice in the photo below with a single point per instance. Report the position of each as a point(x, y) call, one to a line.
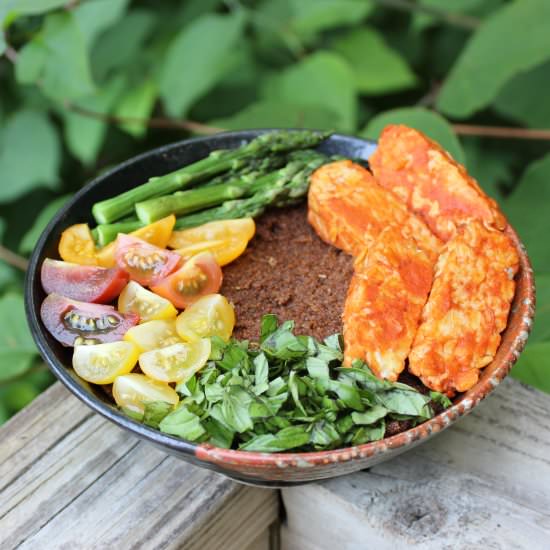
point(467, 309)
point(384, 302)
point(349, 209)
point(430, 182)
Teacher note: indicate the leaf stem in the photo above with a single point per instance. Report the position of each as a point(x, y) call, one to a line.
point(502, 132)
point(13, 259)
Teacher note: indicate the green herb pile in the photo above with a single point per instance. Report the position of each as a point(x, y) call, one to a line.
point(290, 392)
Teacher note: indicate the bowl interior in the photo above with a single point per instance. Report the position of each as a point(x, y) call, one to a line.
point(167, 159)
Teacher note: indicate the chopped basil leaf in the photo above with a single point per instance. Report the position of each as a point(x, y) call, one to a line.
point(184, 424)
point(155, 411)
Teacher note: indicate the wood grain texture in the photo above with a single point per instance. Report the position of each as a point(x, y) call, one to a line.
point(70, 479)
point(484, 483)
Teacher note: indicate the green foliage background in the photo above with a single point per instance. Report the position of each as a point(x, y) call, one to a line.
point(78, 79)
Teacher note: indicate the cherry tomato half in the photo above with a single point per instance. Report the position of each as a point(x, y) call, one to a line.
point(145, 263)
point(134, 298)
point(200, 275)
point(175, 363)
point(132, 391)
point(85, 283)
point(77, 245)
point(69, 321)
point(212, 315)
point(156, 334)
point(102, 363)
point(242, 229)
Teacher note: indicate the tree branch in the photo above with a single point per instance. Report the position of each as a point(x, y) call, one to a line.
point(454, 19)
point(154, 122)
point(501, 132)
point(13, 259)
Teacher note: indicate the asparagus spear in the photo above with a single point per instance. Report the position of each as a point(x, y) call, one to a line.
point(106, 233)
point(292, 183)
point(217, 162)
point(184, 202)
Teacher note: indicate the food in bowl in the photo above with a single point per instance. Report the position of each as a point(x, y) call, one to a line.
point(284, 391)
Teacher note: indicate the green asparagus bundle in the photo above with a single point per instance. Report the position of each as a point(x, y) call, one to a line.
point(290, 185)
point(273, 143)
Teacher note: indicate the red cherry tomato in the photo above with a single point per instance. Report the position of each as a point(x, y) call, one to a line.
point(86, 283)
point(200, 275)
point(146, 264)
point(71, 322)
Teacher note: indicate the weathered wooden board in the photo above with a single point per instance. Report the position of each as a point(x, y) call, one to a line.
point(69, 479)
point(484, 483)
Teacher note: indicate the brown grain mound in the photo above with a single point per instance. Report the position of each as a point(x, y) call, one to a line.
point(289, 271)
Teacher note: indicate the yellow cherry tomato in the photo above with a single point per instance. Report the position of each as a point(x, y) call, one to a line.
point(176, 363)
point(133, 391)
point(211, 315)
point(223, 230)
point(77, 245)
point(157, 233)
point(102, 363)
point(134, 298)
point(224, 251)
point(153, 334)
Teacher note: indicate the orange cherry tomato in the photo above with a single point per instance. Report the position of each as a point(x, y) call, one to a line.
point(200, 275)
point(77, 245)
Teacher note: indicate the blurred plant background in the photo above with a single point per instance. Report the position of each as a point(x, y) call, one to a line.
point(87, 84)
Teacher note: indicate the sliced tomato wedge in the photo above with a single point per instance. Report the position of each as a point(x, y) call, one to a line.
point(77, 245)
point(155, 334)
point(86, 283)
point(200, 275)
point(157, 233)
point(132, 391)
point(145, 263)
point(72, 322)
point(146, 304)
point(102, 363)
point(241, 229)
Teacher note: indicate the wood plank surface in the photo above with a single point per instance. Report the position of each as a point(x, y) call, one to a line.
point(70, 479)
point(482, 484)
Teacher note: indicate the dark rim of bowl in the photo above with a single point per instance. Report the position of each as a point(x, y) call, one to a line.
point(229, 456)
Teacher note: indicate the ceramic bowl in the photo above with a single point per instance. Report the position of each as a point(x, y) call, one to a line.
point(268, 469)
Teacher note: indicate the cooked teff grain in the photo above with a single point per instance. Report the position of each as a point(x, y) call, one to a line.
point(289, 271)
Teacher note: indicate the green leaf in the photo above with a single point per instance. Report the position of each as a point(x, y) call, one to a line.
point(492, 168)
point(323, 79)
point(155, 412)
point(541, 326)
point(370, 416)
point(29, 154)
point(533, 366)
point(138, 102)
point(283, 344)
point(196, 60)
point(2, 50)
point(404, 402)
point(276, 114)
point(369, 433)
point(98, 15)
point(192, 9)
point(56, 59)
point(310, 17)
point(285, 439)
point(377, 68)
point(122, 46)
point(324, 435)
point(85, 134)
point(220, 436)
point(268, 325)
point(234, 408)
point(15, 8)
point(512, 40)
point(261, 372)
point(524, 98)
point(18, 395)
point(527, 210)
point(31, 236)
point(183, 423)
point(17, 349)
point(432, 124)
